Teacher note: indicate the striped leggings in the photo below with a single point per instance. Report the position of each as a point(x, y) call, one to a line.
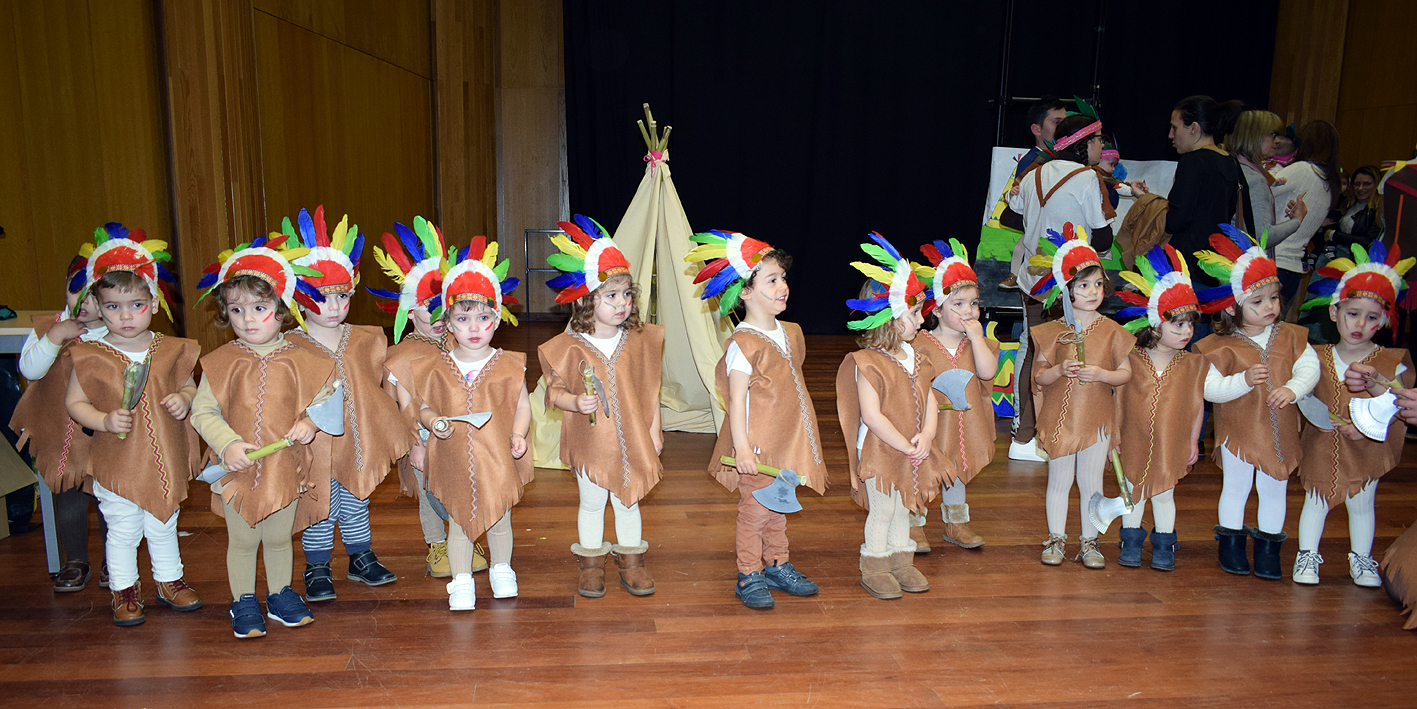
point(352, 514)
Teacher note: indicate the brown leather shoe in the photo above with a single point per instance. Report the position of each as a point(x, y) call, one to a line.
point(917, 535)
point(957, 529)
point(633, 575)
point(178, 596)
point(127, 609)
point(904, 571)
point(591, 583)
point(73, 576)
point(876, 577)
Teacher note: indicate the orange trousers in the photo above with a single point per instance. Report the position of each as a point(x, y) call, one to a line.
point(762, 534)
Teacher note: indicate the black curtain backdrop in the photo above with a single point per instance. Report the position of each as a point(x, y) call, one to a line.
point(808, 125)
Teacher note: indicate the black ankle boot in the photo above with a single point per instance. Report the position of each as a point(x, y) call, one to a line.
point(365, 567)
point(319, 582)
point(1232, 550)
point(1132, 538)
point(1267, 553)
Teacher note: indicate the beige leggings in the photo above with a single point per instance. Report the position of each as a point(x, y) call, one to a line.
point(273, 535)
point(499, 545)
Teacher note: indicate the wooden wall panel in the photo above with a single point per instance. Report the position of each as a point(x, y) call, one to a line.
point(1308, 60)
point(396, 31)
point(82, 141)
point(342, 128)
point(466, 40)
point(1377, 103)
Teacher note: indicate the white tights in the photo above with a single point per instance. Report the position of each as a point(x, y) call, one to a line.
point(1163, 512)
point(1086, 467)
point(1238, 478)
point(1362, 520)
point(887, 522)
point(590, 520)
point(499, 545)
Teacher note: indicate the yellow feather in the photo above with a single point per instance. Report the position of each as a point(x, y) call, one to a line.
point(223, 256)
point(1041, 261)
point(86, 250)
point(1138, 281)
point(926, 273)
point(1080, 233)
point(489, 256)
point(508, 316)
point(568, 247)
point(292, 254)
point(706, 252)
point(1342, 264)
point(873, 271)
point(1405, 265)
point(390, 266)
point(1212, 257)
point(154, 245)
point(341, 229)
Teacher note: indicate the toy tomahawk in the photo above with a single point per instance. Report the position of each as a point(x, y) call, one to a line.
point(781, 495)
point(328, 416)
point(1103, 510)
point(954, 384)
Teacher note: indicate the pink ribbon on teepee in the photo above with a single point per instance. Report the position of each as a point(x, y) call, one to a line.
point(655, 157)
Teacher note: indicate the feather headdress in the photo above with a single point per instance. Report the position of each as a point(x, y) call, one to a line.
point(416, 260)
point(334, 257)
point(895, 289)
point(115, 248)
point(1065, 255)
point(732, 257)
point(1374, 272)
point(476, 275)
point(949, 269)
point(1241, 265)
point(588, 258)
point(271, 259)
point(1166, 290)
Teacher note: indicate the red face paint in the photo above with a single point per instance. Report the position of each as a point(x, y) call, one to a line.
point(268, 316)
point(490, 323)
point(143, 308)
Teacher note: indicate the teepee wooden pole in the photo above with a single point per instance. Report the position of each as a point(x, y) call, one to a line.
point(649, 144)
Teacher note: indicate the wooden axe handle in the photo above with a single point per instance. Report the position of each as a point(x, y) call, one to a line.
point(764, 469)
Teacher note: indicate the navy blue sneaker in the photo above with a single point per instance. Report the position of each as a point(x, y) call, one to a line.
point(246, 620)
point(365, 567)
point(288, 608)
point(752, 590)
point(319, 582)
point(786, 578)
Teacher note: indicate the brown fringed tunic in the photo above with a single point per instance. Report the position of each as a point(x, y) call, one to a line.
point(965, 437)
point(1399, 571)
point(412, 346)
point(782, 424)
point(617, 453)
point(1263, 437)
point(904, 398)
point(1155, 415)
point(261, 397)
point(1337, 467)
point(59, 446)
point(1072, 415)
point(152, 465)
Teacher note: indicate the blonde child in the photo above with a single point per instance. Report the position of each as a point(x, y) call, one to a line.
point(1080, 360)
point(889, 414)
point(770, 418)
point(475, 470)
point(954, 339)
point(1258, 368)
point(253, 393)
point(142, 453)
point(375, 434)
point(1343, 464)
point(59, 447)
point(612, 445)
point(1160, 411)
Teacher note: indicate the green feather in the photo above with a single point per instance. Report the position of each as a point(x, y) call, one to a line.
point(1217, 271)
point(288, 230)
point(162, 256)
point(1264, 239)
point(1052, 296)
point(400, 320)
point(1047, 247)
point(565, 262)
point(501, 270)
point(728, 300)
point(704, 237)
point(1145, 268)
point(871, 322)
point(100, 235)
point(603, 230)
point(305, 271)
point(1360, 255)
point(1135, 325)
point(427, 235)
point(1315, 302)
point(881, 255)
point(959, 250)
point(452, 254)
point(1084, 108)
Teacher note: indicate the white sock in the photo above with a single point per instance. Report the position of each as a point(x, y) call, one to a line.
point(1311, 521)
point(590, 518)
point(880, 515)
point(627, 523)
point(1133, 519)
point(1090, 461)
point(1238, 478)
point(1060, 484)
point(499, 540)
point(1273, 503)
point(1363, 519)
point(1163, 511)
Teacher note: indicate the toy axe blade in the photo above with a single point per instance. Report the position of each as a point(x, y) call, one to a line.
point(328, 415)
point(478, 420)
point(1103, 510)
point(1373, 416)
point(781, 495)
point(600, 392)
point(954, 384)
point(1316, 412)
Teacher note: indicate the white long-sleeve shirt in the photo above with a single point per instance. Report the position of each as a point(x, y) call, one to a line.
point(38, 353)
point(1220, 388)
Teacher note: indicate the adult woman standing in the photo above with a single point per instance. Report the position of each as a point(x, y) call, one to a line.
point(1362, 221)
point(1313, 178)
point(1252, 143)
point(1208, 186)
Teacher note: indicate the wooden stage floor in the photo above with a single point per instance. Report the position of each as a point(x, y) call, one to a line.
point(997, 627)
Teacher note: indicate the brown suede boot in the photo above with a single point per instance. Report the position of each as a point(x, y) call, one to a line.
point(178, 596)
point(917, 535)
point(957, 530)
point(905, 573)
point(592, 579)
point(633, 574)
point(876, 577)
point(127, 609)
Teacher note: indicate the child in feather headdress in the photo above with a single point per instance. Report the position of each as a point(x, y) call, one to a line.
point(604, 376)
point(954, 339)
point(1161, 410)
point(1079, 360)
point(375, 434)
point(1258, 367)
point(889, 414)
point(1362, 295)
point(770, 415)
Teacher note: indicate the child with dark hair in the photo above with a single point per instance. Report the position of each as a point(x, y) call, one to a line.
point(604, 376)
point(770, 417)
point(252, 397)
point(134, 389)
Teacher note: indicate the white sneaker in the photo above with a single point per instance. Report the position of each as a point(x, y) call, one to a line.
point(1364, 570)
point(462, 594)
point(1027, 451)
point(1306, 567)
point(504, 581)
